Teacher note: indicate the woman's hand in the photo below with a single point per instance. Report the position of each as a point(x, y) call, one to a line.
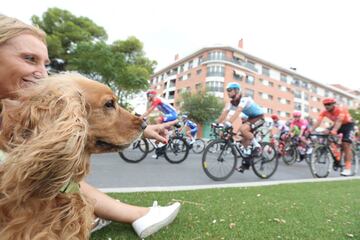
point(158, 131)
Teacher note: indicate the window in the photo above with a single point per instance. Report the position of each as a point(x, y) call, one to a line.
point(269, 110)
point(297, 94)
point(215, 70)
point(249, 93)
point(216, 55)
point(296, 82)
point(189, 75)
point(237, 75)
point(198, 86)
point(250, 79)
point(182, 68)
point(191, 64)
point(251, 65)
point(200, 60)
point(198, 72)
point(265, 96)
point(298, 106)
point(283, 77)
point(283, 88)
point(265, 71)
point(215, 86)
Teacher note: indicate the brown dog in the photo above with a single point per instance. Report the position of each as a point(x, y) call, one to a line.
point(49, 133)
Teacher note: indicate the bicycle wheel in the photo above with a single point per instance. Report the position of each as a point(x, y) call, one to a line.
point(266, 164)
point(321, 162)
point(136, 152)
point(290, 154)
point(177, 150)
point(219, 165)
point(198, 146)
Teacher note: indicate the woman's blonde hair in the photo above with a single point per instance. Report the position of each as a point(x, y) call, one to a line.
point(12, 27)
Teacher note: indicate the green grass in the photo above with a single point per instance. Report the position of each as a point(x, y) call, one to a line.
point(328, 210)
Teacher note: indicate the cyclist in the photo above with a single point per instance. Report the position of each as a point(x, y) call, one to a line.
point(298, 128)
point(168, 114)
point(278, 127)
point(253, 111)
point(190, 128)
point(343, 124)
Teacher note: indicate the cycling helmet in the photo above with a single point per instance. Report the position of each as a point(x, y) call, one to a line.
point(329, 101)
point(297, 114)
point(274, 117)
point(151, 92)
point(233, 85)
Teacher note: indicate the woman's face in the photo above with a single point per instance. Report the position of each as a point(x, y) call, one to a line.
point(23, 61)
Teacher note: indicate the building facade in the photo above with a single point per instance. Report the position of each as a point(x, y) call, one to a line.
point(278, 90)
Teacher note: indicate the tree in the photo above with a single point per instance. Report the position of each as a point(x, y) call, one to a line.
point(78, 41)
point(355, 114)
point(65, 31)
point(202, 108)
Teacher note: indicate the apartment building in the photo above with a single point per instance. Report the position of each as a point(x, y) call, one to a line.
point(277, 89)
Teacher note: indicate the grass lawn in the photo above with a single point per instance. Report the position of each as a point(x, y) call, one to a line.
point(326, 210)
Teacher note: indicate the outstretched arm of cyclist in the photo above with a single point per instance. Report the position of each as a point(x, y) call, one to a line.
point(223, 116)
point(148, 112)
point(337, 124)
point(236, 115)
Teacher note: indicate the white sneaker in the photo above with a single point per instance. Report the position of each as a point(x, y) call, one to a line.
point(157, 218)
point(154, 156)
point(100, 223)
point(346, 172)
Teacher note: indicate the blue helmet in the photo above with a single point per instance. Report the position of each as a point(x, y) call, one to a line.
point(184, 116)
point(233, 85)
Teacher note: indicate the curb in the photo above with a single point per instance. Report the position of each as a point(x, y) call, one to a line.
point(228, 185)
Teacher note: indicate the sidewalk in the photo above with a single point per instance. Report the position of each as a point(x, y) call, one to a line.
point(229, 185)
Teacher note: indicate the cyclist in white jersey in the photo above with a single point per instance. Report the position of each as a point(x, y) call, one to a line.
point(245, 105)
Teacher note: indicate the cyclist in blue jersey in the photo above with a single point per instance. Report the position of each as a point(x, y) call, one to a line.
point(253, 111)
point(168, 112)
point(191, 128)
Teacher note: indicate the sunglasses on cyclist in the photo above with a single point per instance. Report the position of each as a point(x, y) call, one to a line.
point(328, 104)
point(229, 89)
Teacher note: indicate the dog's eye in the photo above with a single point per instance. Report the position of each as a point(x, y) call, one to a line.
point(110, 104)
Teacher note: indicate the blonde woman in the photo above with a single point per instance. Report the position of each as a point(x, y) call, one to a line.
point(23, 60)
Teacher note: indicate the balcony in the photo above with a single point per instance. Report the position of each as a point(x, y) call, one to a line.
point(224, 59)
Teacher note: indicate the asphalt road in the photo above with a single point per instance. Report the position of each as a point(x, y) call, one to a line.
point(110, 171)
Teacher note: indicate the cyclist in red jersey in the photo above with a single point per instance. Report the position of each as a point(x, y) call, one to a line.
point(342, 124)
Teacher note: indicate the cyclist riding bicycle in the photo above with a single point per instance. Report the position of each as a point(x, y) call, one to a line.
point(343, 124)
point(168, 112)
point(277, 127)
point(253, 111)
point(190, 128)
point(298, 128)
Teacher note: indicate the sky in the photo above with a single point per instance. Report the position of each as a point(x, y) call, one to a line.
point(320, 38)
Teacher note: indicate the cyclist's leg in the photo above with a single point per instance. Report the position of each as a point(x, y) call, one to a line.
point(255, 123)
point(246, 133)
point(347, 131)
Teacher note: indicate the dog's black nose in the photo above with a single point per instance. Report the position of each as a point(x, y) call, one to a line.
point(143, 125)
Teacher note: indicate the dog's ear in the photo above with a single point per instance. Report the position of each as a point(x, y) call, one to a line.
point(50, 150)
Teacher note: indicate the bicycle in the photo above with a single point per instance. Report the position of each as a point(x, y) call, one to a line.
point(292, 149)
point(219, 159)
point(325, 154)
point(197, 146)
point(175, 151)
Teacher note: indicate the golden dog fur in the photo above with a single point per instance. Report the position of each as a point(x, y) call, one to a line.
point(49, 133)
